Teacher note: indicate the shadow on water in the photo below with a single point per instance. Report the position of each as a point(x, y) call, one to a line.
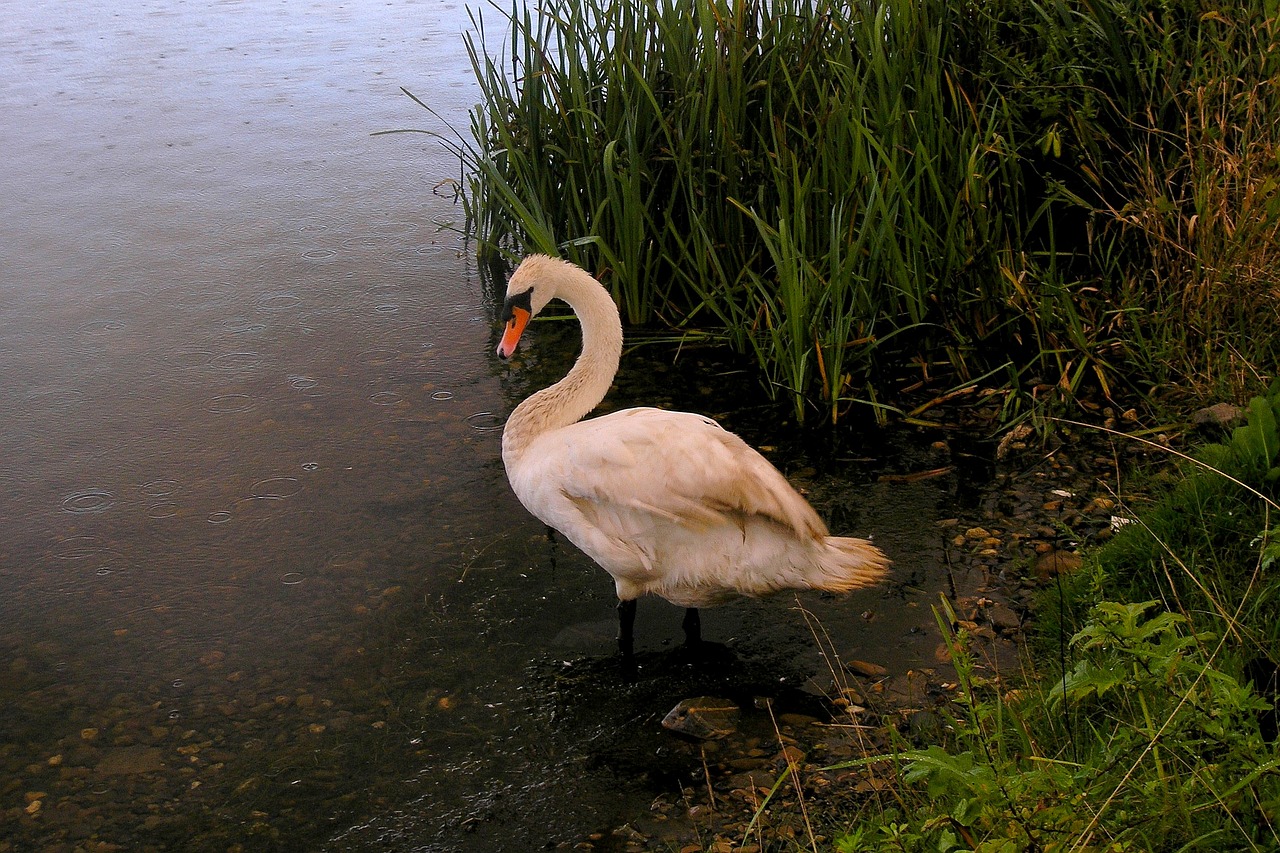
point(262, 583)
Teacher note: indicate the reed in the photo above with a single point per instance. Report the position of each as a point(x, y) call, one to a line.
point(1147, 130)
point(845, 189)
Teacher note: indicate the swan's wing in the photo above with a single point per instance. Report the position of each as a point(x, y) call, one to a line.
point(679, 466)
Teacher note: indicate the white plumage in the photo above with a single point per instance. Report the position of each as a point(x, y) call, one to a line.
point(668, 503)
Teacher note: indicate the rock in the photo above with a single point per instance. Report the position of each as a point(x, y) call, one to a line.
point(798, 720)
point(1002, 617)
point(865, 669)
point(924, 727)
point(128, 761)
point(751, 781)
point(1100, 506)
point(1219, 414)
point(789, 756)
point(703, 717)
point(1054, 563)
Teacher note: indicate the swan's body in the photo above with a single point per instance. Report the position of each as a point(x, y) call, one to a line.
point(668, 503)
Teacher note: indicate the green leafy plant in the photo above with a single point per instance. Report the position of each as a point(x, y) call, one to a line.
point(1148, 743)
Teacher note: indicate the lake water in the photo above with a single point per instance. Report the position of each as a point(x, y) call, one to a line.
point(262, 582)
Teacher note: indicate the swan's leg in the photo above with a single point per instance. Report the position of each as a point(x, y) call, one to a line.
point(692, 625)
point(626, 628)
point(551, 543)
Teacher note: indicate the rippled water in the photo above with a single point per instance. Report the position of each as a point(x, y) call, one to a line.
point(262, 582)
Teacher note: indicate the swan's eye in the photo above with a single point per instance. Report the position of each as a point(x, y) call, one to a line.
point(518, 301)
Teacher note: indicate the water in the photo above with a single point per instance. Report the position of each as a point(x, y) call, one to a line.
point(262, 582)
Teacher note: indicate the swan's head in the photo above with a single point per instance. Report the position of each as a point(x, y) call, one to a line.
point(534, 283)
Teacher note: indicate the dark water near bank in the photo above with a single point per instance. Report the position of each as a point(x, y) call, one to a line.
point(262, 582)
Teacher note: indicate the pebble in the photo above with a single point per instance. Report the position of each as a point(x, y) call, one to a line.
point(1053, 563)
point(790, 755)
point(865, 669)
point(1099, 505)
point(1003, 617)
point(797, 720)
point(1219, 414)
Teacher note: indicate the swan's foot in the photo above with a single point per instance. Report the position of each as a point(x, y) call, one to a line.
point(692, 625)
point(626, 629)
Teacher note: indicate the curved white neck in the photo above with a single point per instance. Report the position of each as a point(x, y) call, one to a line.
point(586, 383)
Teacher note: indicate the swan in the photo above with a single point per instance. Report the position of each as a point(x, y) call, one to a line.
point(668, 503)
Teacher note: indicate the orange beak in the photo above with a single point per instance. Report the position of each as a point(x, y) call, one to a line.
point(511, 334)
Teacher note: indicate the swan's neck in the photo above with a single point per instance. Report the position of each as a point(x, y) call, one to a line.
point(586, 383)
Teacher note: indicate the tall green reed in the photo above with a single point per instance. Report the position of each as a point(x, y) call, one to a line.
point(857, 191)
point(807, 176)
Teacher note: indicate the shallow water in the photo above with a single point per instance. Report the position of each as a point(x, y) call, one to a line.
point(262, 582)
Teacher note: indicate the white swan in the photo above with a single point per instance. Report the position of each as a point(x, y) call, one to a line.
point(667, 503)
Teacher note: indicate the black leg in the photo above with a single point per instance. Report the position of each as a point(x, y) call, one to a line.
point(551, 546)
point(692, 625)
point(626, 628)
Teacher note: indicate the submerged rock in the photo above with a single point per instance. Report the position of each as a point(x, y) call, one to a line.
point(703, 717)
point(866, 669)
point(130, 761)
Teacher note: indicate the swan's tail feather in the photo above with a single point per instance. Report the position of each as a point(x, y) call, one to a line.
point(851, 564)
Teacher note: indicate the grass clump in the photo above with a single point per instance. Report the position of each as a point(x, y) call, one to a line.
point(872, 197)
point(1211, 544)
